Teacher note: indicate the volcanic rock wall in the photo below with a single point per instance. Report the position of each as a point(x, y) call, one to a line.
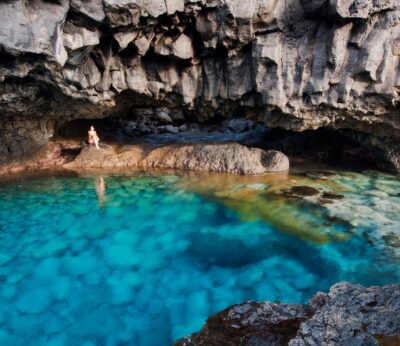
point(296, 64)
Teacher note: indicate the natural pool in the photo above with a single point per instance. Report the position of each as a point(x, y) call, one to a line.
point(144, 259)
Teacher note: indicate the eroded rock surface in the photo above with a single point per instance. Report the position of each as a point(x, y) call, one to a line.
point(348, 315)
point(297, 64)
point(223, 158)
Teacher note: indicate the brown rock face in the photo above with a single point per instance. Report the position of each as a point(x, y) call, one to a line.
point(222, 158)
point(297, 64)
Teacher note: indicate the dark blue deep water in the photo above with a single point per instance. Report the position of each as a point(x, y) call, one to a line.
point(144, 260)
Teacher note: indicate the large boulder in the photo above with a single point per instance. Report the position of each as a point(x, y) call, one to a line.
point(221, 158)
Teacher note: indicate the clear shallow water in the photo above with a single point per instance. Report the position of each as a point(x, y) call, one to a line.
point(144, 260)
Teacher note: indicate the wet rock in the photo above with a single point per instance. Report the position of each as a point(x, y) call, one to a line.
point(325, 201)
point(251, 324)
point(393, 240)
point(348, 315)
point(325, 175)
point(300, 191)
point(331, 195)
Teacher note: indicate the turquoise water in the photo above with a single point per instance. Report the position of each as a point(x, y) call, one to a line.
point(144, 260)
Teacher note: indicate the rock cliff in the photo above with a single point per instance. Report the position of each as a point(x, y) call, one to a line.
point(348, 315)
point(295, 64)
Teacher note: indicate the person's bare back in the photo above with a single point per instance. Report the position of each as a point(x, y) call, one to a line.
point(93, 138)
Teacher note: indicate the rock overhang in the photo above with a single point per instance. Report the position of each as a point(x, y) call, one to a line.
point(297, 65)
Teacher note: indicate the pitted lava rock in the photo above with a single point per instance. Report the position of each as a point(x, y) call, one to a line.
point(348, 315)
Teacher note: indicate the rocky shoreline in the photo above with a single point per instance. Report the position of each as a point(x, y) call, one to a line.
point(220, 158)
point(227, 157)
point(165, 140)
point(348, 315)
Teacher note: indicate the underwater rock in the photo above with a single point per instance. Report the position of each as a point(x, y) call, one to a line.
point(331, 195)
point(324, 175)
point(300, 191)
point(348, 315)
point(222, 158)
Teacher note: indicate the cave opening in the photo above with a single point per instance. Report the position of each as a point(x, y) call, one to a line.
point(161, 125)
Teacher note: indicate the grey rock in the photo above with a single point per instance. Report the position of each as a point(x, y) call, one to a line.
point(164, 117)
point(122, 13)
point(348, 315)
point(298, 65)
point(143, 128)
point(251, 323)
point(175, 6)
point(180, 48)
point(33, 27)
point(125, 37)
point(78, 37)
point(171, 129)
point(92, 9)
point(223, 158)
point(20, 139)
point(130, 127)
point(239, 125)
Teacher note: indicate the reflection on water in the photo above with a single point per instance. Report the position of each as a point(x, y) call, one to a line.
point(151, 256)
point(100, 190)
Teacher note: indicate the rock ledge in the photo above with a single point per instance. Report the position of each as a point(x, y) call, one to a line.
point(348, 315)
point(220, 158)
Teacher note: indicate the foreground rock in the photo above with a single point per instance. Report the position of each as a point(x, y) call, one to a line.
point(222, 158)
point(348, 315)
point(296, 64)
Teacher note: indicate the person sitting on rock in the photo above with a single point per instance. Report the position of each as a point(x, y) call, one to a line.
point(93, 138)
